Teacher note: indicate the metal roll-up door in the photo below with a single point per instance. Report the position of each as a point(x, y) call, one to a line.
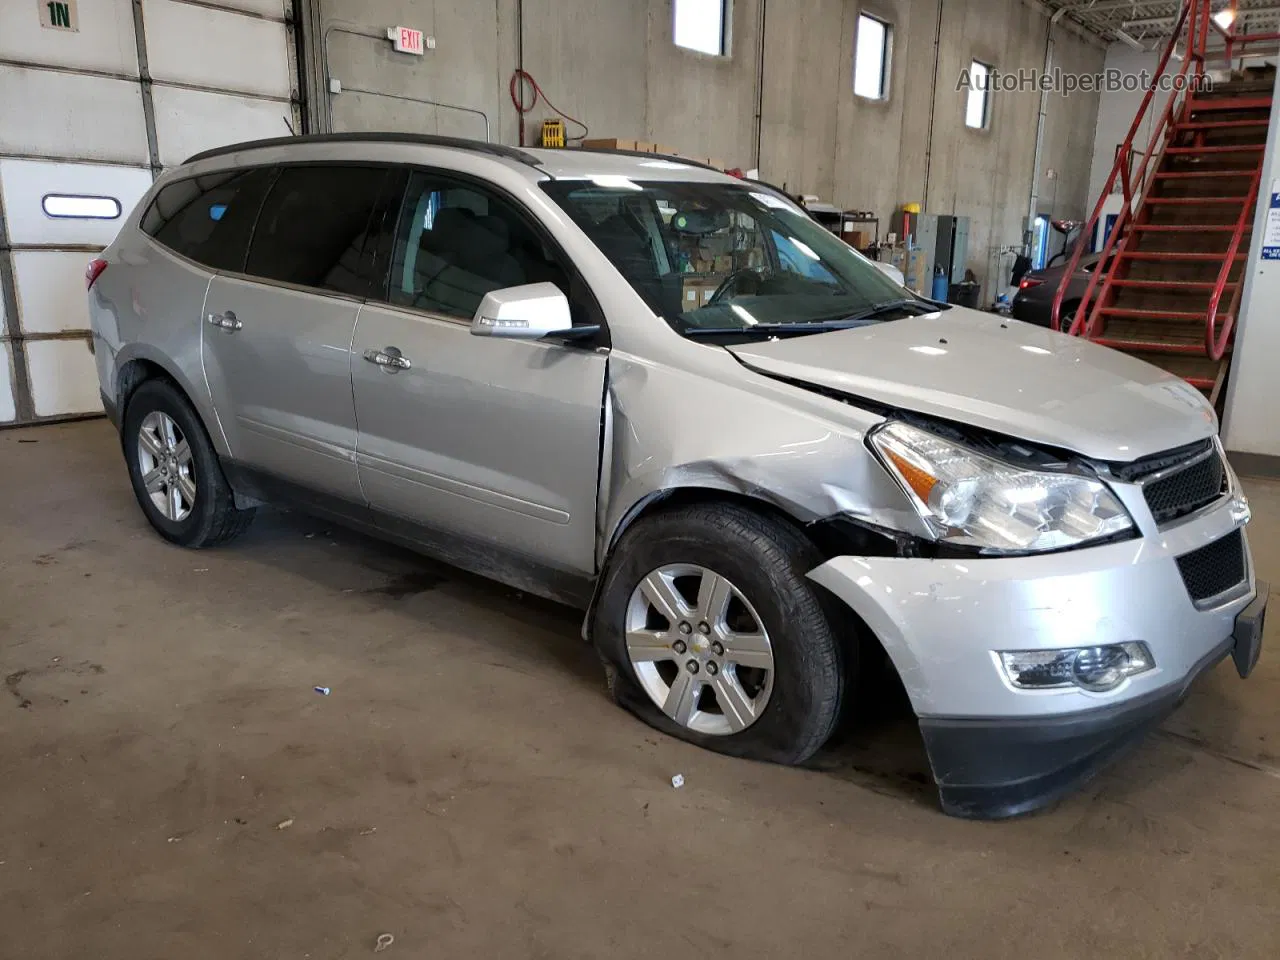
point(97, 97)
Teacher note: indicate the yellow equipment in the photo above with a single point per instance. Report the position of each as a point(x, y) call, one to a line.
point(552, 133)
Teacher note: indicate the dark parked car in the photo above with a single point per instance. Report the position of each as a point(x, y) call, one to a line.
point(1033, 302)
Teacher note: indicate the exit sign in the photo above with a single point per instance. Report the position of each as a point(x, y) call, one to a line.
point(59, 14)
point(406, 40)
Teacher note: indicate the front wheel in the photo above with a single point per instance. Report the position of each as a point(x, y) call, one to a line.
point(175, 472)
point(709, 631)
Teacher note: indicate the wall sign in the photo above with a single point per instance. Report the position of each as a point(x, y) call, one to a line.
point(406, 40)
point(59, 15)
point(1271, 236)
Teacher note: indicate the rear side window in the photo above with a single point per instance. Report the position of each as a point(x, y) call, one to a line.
point(209, 219)
point(315, 226)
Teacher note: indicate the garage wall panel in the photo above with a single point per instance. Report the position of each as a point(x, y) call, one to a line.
point(8, 410)
point(188, 121)
point(103, 42)
point(216, 48)
point(25, 183)
point(51, 290)
point(275, 9)
point(47, 113)
point(64, 379)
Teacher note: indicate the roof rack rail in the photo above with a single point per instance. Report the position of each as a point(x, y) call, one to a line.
point(424, 139)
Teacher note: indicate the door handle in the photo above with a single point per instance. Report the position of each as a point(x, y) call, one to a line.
point(226, 322)
point(390, 359)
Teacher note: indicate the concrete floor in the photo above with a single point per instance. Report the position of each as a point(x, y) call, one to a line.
point(467, 788)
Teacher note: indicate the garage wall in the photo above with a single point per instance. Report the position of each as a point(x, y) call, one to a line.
point(96, 109)
point(614, 66)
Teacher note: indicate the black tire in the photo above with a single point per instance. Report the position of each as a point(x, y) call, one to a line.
point(767, 560)
point(213, 518)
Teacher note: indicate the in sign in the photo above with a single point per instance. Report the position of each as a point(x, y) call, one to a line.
point(59, 14)
point(406, 40)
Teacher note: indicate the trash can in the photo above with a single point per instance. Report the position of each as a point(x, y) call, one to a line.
point(940, 285)
point(965, 294)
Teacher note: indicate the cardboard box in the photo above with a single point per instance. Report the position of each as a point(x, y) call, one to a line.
point(698, 290)
point(724, 263)
point(611, 143)
point(917, 273)
point(664, 149)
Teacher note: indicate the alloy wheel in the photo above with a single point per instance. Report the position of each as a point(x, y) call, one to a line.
point(166, 467)
point(699, 649)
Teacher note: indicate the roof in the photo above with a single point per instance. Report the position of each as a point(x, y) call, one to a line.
point(1146, 24)
point(560, 164)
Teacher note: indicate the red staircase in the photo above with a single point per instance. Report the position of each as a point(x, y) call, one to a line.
point(1176, 256)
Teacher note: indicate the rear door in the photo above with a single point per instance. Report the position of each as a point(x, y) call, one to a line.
point(495, 441)
point(277, 331)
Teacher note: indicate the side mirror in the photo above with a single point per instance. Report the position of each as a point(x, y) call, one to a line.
point(530, 312)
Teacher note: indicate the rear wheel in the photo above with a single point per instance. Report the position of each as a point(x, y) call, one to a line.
point(709, 631)
point(175, 472)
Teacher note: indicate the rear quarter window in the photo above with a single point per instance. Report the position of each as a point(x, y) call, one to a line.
point(209, 219)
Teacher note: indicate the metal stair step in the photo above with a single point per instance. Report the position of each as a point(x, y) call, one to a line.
point(1217, 148)
point(1202, 104)
point(1186, 227)
point(1221, 124)
point(1138, 313)
point(1194, 201)
point(1169, 285)
point(1196, 174)
point(1178, 257)
point(1150, 346)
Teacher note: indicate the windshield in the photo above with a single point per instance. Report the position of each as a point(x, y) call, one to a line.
point(715, 257)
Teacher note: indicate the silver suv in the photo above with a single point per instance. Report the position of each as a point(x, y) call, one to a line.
point(669, 397)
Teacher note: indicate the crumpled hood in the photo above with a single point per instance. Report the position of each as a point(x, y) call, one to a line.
point(1001, 375)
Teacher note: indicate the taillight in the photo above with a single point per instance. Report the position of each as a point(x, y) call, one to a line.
point(1029, 282)
point(93, 271)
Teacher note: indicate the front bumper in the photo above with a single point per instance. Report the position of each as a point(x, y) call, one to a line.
point(992, 769)
point(997, 750)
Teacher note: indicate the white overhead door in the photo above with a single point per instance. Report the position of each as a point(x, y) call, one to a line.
point(96, 97)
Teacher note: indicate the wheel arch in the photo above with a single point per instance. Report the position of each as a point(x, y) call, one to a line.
point(139, 363)
point(860, 640)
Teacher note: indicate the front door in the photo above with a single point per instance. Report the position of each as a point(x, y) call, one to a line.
point(277, 338)
point(494, 441)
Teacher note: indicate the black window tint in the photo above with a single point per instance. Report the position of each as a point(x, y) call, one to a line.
point(313, 228)
point(456, 242)
point(209, 218)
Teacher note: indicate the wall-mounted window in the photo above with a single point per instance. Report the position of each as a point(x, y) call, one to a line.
point(70, 206)
point(977, 110)
point(871, 58)
point(702, 25)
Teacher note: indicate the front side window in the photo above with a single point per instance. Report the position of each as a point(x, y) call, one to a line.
point(702, 25)
point(314, 225)
point(458, 241)
point(719, 258)
point(871, 59)
point(209, 218)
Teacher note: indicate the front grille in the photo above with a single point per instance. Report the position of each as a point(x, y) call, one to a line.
point(1214, 569)
point(1187, 490)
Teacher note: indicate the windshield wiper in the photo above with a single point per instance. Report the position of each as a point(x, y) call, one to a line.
point(890, 306)
point(777, 329)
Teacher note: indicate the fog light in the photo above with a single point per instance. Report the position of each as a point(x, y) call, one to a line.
point(1091, 668)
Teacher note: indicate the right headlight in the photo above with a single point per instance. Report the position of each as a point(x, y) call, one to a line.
point(971, 499)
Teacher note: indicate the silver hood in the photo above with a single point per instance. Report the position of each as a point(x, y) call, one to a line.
point(1002, 375)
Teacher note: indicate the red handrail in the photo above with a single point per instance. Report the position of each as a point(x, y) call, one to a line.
point(1122, 164)
point(1216, 346)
